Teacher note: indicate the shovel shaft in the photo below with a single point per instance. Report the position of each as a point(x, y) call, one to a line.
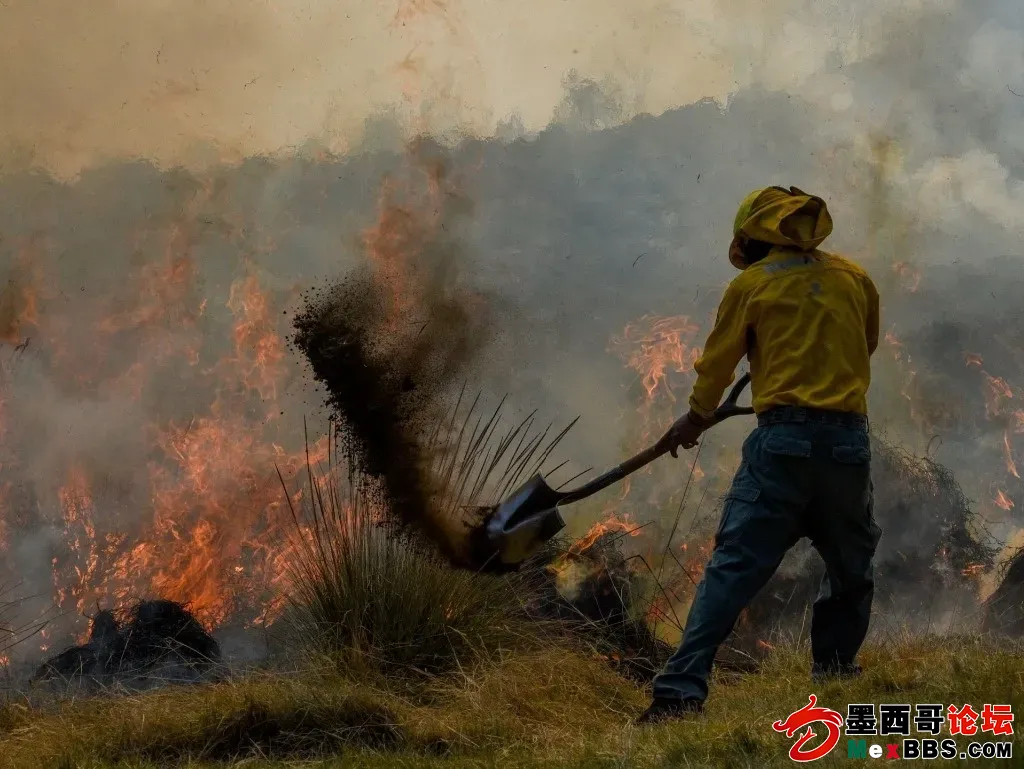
point(729, 408)
point(615, 475)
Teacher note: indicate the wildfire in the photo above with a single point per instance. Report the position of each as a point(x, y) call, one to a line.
point(259, 349)
point(1011, 466)
point(998, 392)
point(599, 529)
point(1017, 421)
point(661, 352)
point(19, 311)
point(656, 346)
point(910, 276)
point(569, 568)
point(696, 558)
point(185, 503)
point(896, 345)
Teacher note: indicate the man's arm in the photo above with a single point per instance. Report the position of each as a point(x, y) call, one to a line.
point(724, 349)
point(873, 320)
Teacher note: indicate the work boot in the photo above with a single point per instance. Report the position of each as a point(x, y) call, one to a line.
point(821, 673)
point(669, 709)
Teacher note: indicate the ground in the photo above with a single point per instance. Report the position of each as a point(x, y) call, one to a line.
point(551, 707)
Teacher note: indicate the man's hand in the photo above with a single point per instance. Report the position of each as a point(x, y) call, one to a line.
point(684, 432)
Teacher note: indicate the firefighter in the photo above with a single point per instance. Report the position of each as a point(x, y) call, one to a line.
point(808, 322)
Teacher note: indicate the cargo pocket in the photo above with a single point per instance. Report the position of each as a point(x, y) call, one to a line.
point(738, 496)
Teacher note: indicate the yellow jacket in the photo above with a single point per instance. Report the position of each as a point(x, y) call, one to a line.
point(807, 322)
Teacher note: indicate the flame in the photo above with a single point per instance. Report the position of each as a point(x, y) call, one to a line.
point(259, 349)
point(1017, 421)
point(599, 529)
point(1002, 501)
point(1011, 466)
point(661, 352)
point(655, 346)
point(910, 276)
point(973, 569)
point(896, 345)
point(593, 534)
point(192, 510)
point(901, 356)
point(998, 391)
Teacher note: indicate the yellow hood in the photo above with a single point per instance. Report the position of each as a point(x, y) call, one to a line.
point(784, 218)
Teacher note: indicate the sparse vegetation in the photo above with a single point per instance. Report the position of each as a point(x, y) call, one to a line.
point(549, 706)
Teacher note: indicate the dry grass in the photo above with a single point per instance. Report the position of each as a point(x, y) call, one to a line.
point(371, 599)
point(548, 707)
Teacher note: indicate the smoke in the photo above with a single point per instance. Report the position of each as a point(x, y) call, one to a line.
point(175, 175)
point(388, 341)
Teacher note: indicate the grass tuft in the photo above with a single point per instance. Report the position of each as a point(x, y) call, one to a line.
point(369, 598)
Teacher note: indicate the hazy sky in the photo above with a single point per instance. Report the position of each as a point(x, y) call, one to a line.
point(191, 80)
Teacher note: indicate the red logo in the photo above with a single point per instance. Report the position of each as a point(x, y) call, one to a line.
point(807, 715)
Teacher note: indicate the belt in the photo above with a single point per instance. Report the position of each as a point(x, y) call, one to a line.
point(802, 414)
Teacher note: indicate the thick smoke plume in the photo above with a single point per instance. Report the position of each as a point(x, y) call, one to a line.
point(147, 392)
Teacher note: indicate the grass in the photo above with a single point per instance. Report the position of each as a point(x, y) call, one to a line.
point(370, 599)
point(542, 707)
point(406, 662)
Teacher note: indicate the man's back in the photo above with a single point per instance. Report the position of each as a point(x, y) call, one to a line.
point(812, 320)
point(806, 320)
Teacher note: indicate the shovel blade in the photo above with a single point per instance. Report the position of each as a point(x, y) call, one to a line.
point(525, 521)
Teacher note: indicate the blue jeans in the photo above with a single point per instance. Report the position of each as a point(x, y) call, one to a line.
point(804, 473)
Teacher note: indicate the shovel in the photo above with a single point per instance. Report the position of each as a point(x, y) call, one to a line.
point(530, 517)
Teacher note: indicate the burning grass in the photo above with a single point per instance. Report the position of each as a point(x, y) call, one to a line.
point(488, 689)
point(549, 706)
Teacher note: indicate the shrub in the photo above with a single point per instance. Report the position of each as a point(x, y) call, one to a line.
point(369, 595)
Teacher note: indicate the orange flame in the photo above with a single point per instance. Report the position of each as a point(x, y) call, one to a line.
point(998, 391)
point(973, 569)
point(197, 515)
point(1011, 466)
point(655, 346)
point(599, 529)
point(910, 276)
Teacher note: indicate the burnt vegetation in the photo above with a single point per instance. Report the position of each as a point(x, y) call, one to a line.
point(152, 643)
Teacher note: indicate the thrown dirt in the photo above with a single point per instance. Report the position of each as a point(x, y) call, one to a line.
point(388, 342)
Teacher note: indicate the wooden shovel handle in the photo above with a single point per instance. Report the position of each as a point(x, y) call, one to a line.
point(729, 408)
